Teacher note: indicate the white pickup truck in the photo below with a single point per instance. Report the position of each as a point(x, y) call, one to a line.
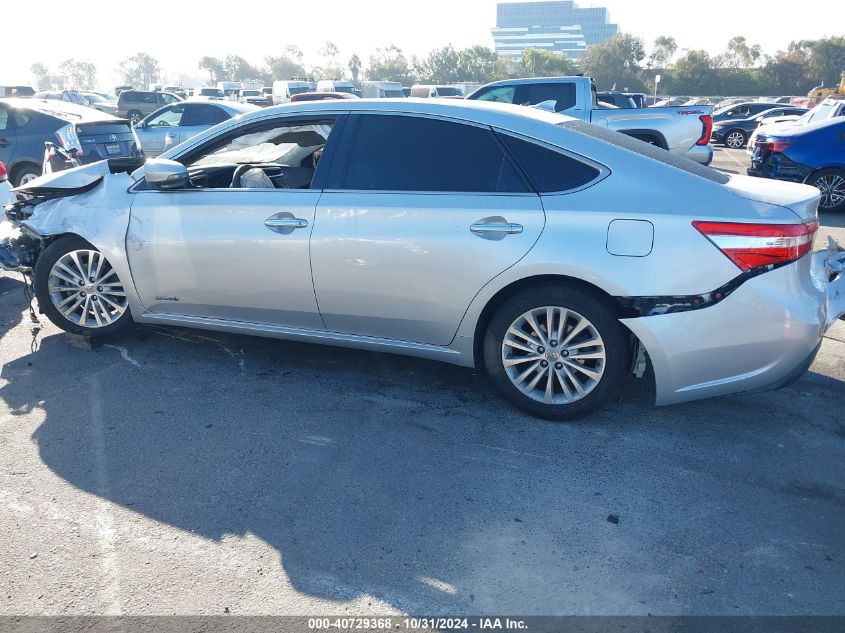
point(683, 130)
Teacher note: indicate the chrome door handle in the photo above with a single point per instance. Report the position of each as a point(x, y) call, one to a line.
point(506, 228)
point(286, 223)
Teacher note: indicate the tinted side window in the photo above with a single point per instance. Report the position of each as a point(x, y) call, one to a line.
point(563, 94)
point(203, 114)
point(404, 153)
point(4, 119)
point(549, 171)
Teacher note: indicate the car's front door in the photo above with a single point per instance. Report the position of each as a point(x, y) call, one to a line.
point(8, 138)
point(160, 132)
point(418, 216)
point(234, 246)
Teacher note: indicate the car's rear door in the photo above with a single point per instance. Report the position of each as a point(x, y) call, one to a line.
point(418, 216)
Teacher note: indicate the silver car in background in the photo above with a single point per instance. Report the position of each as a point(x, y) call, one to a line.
point(556, 254)
point(174, 124)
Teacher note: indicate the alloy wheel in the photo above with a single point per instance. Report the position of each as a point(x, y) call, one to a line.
point(832, 187)
point(735, 140)
point(553, 355)
point(85, 289)
point(28, 177)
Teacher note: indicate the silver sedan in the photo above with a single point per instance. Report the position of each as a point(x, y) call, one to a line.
point(557, 254)
point(173, 124)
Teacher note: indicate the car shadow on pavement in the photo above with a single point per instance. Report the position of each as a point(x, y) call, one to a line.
point(411, 481)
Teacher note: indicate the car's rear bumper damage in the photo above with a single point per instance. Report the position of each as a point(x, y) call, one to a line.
point(763, 336)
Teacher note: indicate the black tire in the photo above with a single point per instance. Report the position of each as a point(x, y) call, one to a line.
point(735, 139)
point(831, 184)
point(134, 117)
point(24, 172)
point(43, 267)
point(587, 304)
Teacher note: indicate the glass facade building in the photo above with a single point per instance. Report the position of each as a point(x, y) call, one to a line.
point(560, 26)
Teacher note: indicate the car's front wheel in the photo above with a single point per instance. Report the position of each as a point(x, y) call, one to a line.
point(79, 290)
point(556, 351)
point(735, 139)
point(831, 184)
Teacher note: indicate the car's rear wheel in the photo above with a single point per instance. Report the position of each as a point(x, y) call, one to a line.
point(556, 352)
point(831, 184)
point(79, 290)
point(735, 139)
point(135, 117)
point(26, 174)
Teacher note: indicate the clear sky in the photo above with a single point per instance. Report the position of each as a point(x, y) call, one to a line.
point(179, 32)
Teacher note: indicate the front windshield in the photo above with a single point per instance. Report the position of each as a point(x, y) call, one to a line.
point(347, 89)
point(298, 90)
point(94, 98)
point(393, 93)
point(449, 92)
point(251, 93)
point(723, 109)
point(212, 92)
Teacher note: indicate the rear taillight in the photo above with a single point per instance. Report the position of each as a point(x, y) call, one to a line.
point(751, 246)
point(707, 121)
point(777, 146)
point(4, 174)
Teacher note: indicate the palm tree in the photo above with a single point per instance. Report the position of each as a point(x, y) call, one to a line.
point(354, 66)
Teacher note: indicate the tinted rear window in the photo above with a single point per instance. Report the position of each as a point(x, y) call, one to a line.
point(563, 94)
point(549, 171)
point(404, 153)
point(645, 149)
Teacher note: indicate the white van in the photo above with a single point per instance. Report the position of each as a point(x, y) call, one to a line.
point(335, 85)
point(284, 90)
point(426, 91)
point(382, 90)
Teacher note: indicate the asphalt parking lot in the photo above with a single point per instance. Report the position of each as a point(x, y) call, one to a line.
point(190, 472)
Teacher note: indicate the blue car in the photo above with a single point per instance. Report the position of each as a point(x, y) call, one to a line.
point(813, 154)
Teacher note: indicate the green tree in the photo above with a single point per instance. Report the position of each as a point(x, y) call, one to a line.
point(239, 69)
point(214, 67)
point(786, 72)
point(139, 70)
point(693, 74)
point(739, 54)
point(477, 64)
point(663, 51)
point(440, 66)
point(389, 64)
point(284, 66)
point(78, 75)
point(43, 78)
point(827, 60)
point(354, 65)
point(537, 62)
point(617, 61)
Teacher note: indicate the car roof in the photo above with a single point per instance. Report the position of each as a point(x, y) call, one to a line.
point(64, 110)
point(485, 112)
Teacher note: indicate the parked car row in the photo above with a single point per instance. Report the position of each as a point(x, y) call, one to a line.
point(808, 149)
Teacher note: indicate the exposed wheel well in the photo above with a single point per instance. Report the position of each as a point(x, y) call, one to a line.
point(648, 137)
point(511, 289)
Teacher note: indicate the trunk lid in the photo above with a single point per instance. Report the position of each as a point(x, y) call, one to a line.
point(106, 139)
point(802, 200)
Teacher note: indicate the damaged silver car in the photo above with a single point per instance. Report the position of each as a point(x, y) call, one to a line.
point(558, 255)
